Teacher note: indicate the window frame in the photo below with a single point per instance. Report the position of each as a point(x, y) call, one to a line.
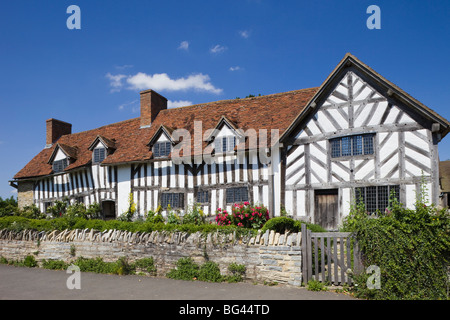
point(204, 196)
point(59, 166)
point(100, 159)
point(352, 146)
point(236, 194)
point(156, 149)
point(376, 197)
point(171, 197)
point(222, 144)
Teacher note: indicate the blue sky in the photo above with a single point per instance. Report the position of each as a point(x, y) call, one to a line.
point(198, 51)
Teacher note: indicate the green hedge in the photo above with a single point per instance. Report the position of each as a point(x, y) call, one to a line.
point(285, 224)
point(411, 248)
point(17, 223)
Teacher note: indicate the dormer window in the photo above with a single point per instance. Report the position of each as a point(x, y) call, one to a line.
point(60, 165)
point(101, 147)
point(225, 144)
point(98, 155)
point(162, 149)
point(62, 156)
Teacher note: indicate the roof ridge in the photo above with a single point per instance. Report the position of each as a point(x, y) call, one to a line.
point(240, 99)
point(102, 127)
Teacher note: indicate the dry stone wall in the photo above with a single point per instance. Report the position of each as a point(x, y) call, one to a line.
point(268, 257)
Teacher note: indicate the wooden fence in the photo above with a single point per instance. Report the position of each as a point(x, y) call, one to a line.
point(329, 257)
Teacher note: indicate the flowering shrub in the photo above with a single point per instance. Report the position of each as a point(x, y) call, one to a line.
point(243, 215)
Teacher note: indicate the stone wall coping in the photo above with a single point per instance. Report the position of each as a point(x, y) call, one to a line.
point(268, 238)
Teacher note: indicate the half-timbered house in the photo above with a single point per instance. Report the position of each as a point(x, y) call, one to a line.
point(310, 151)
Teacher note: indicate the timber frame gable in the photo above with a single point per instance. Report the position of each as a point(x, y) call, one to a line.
point(356, 109)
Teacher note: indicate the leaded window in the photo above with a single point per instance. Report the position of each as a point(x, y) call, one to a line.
point(377, 198)
point(202, 196)
point(176, 200)
point(162, 149)
point(352, 146)
point(236, 195)
point(99, 155)
point(60, 165)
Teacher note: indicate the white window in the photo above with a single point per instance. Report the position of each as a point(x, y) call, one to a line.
point(225, 144)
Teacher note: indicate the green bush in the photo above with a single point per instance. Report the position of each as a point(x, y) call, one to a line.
point(186, 269)
point(210, 272)
point(8, 207)
point(316, 285)
point(194, 216)
point(285, 224)
point(54, 264)
point(30, 262)
point(237, 272)
point(410, 246)
point(146, 264)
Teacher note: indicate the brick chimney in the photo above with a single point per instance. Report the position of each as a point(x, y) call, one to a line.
point(151, 104)
point(56, 129)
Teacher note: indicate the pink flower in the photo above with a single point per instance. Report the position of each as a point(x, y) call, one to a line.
point(219, 209)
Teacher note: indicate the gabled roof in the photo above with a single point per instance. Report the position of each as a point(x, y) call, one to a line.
point(162, 129)
point(224, 121)
point(389, 88)
point(274, 111)
point(109, 144)
point(70, 152)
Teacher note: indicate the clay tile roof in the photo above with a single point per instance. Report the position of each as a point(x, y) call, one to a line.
point(275, 111)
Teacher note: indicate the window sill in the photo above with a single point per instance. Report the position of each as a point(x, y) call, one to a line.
point(359, 157)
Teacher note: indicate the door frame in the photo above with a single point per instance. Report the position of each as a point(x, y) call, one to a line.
point(336, 215)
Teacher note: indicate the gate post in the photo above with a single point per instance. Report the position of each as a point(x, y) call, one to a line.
point(304, 254)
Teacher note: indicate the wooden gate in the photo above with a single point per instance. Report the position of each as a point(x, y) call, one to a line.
point(329, 256)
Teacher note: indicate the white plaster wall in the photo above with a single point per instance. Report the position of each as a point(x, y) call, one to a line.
point(123, 188)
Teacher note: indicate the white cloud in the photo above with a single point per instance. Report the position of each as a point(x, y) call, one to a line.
point(162, 82)
point(217, 49)
point(115, 81)
point(244, 33)
point(123, 67)
point(132, 104)
point(236, 68)
point(178, 103)
point(184, 45)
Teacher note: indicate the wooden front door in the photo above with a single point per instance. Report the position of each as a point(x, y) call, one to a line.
point(326, 208)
